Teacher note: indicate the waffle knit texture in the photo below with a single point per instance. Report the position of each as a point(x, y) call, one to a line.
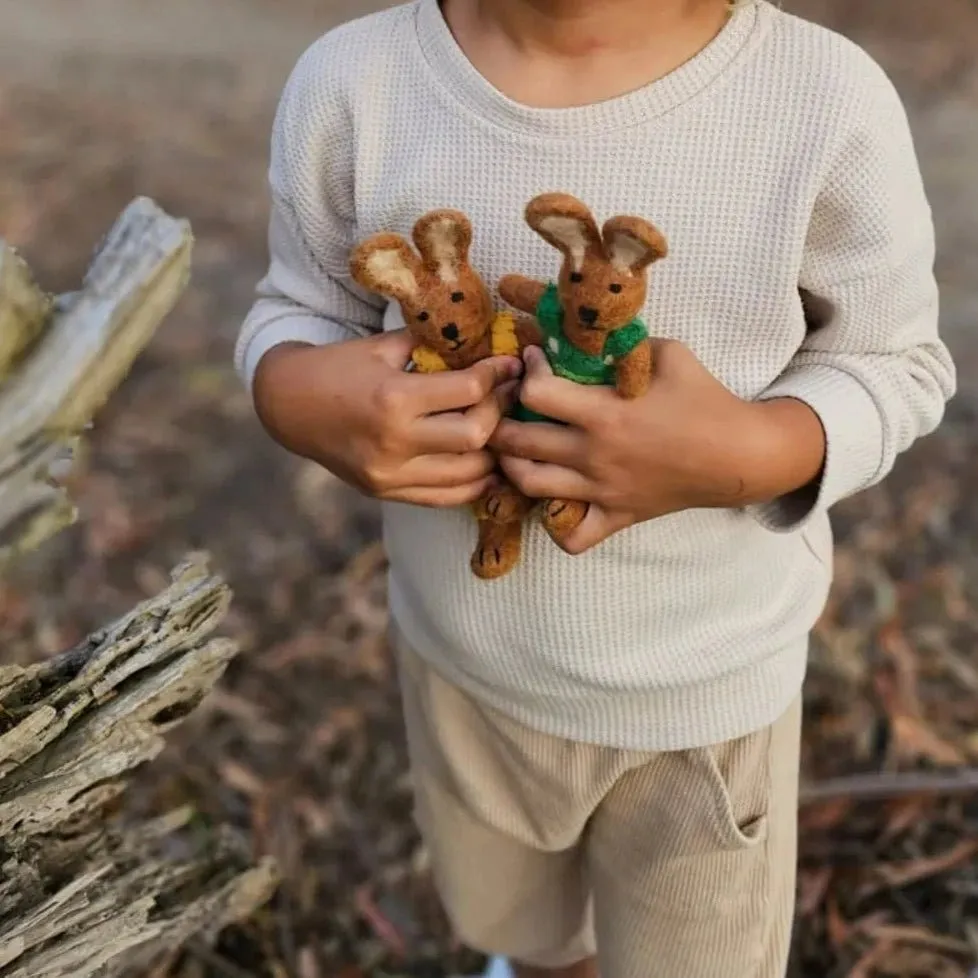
point(779, 164)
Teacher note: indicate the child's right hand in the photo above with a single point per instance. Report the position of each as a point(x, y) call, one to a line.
point(404, 437)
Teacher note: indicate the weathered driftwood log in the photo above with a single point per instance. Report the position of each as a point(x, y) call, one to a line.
point(60, 359)
point(83, 893)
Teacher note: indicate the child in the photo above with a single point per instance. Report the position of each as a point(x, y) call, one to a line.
point(606, 742)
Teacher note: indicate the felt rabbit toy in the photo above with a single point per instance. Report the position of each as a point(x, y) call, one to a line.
point(448, 310)
point(588, 319)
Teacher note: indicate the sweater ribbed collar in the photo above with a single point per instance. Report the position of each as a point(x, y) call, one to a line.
point(457, 74)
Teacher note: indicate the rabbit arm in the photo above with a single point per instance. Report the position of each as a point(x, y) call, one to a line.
point(634, 371)
point(528, 332)
point(521, 293)
point(631, 350)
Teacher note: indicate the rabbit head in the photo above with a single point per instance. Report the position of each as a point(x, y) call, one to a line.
point(446, 305)
point(602, 284)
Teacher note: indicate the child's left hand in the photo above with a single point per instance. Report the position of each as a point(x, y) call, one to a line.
point(688, 443)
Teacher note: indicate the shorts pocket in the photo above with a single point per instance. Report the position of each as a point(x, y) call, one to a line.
point(688, 835)
point(738, 826)
point(739, 783)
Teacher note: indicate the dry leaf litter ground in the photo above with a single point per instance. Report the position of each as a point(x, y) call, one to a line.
point(302, 746)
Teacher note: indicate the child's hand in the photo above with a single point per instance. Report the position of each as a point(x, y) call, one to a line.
point(405, 437)
point(688, 443)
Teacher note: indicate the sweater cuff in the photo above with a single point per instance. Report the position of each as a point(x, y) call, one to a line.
point(853, 438)
point(292, 329)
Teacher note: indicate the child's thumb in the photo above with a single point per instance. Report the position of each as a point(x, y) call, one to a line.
point(395, 347)
point(537, 364)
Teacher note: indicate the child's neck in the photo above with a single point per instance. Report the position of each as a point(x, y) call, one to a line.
point(560, 53)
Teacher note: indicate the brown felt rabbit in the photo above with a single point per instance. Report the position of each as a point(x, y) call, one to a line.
point(449, 311)
point(588, 320)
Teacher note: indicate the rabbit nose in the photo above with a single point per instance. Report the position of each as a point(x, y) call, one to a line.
point(587, 315)
point(450, 332)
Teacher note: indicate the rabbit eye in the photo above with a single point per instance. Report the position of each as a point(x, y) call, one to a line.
point(576, 277)
point(614, 287)
point(458, 296)
point(423, 317)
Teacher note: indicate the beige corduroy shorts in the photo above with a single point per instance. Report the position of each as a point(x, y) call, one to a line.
point(667, 865)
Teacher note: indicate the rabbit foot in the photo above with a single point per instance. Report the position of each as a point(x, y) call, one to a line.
point(503, 504)
point(562, 516)
point(498, 549)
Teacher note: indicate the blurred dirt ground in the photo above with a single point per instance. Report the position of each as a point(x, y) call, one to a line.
point(104, 99)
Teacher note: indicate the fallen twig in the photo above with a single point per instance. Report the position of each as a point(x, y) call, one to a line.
point(896, 875)
point(889, 785)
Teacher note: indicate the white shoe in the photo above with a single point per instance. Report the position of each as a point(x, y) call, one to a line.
point(497, 968)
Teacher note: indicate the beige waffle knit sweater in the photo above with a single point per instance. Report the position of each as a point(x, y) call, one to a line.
point(779, 163)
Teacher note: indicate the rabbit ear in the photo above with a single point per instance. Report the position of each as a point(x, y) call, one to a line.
point(567, 224)
point(443, 237)
point(632, 244)
point(386, 264)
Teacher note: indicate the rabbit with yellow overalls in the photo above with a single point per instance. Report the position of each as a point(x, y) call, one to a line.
point(448, 310)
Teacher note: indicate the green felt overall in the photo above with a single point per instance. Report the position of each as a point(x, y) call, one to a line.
point(572, 363)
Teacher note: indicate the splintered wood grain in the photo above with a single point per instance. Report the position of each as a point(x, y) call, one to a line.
point(84, 892)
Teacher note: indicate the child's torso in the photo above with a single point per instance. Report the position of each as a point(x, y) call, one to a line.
point(680, 631)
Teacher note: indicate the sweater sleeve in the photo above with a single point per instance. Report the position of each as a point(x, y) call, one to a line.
point(872, 366)
point(307, 294)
